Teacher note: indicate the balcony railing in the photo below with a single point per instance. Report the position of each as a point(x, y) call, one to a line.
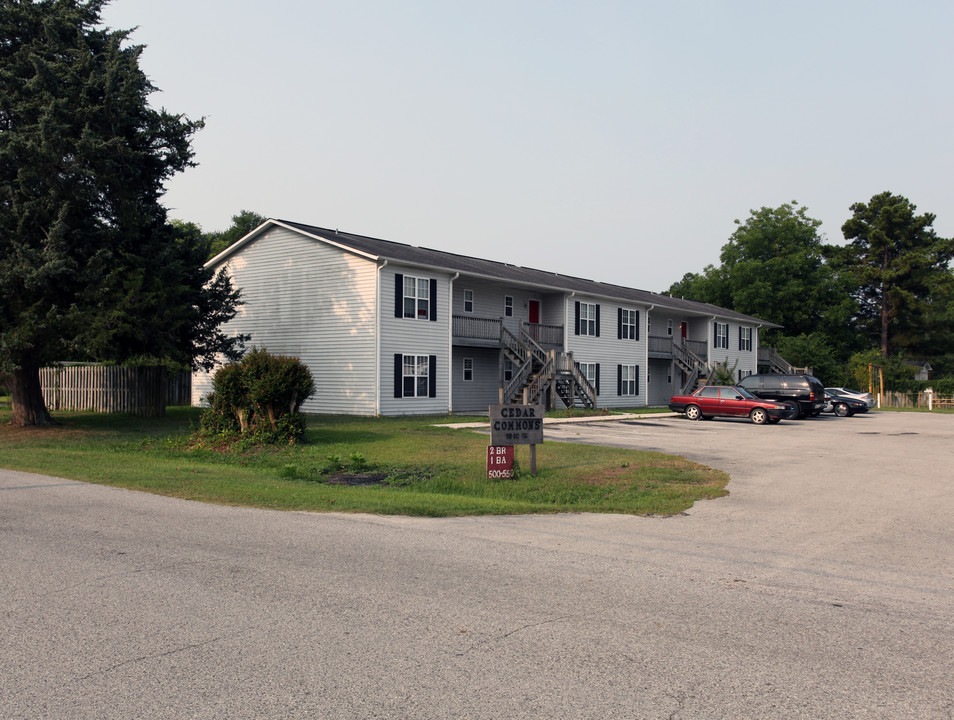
point(475, 328)
point(489, 329)
point(548, 336)
point(663, 344)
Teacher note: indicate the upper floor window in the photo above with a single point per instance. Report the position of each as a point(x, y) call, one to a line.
point(745, 338)
point(721, 335)
point(628, 324)
point(415, 297)
point(669, 327)
point(587, 319)
point(508, 306)
point(468, 301)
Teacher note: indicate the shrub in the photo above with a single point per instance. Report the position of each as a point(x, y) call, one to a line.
point(723, 374)
point(258, 399)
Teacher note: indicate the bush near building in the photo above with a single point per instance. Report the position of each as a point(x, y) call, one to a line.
point(258, 399)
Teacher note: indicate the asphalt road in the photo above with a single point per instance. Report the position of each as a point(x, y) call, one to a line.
point(821, 587)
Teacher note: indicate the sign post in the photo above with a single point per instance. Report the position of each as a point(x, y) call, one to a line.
point(517, 425)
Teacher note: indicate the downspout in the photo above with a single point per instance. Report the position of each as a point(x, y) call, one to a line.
point(566, 321)
point(646, 353)
point(377, 342)
point(450, 345)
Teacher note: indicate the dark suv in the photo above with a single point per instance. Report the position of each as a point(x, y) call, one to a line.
point(806, 391)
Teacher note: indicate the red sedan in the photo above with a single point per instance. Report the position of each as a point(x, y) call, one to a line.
point(729, 401)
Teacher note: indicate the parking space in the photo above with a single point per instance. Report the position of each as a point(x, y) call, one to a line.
point(874, 490)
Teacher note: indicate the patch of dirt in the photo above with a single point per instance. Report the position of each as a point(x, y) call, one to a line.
point(356, 479)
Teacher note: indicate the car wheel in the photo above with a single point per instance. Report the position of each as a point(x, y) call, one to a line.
point(693, 412)
point(841, 410)
point(758, 416)
point(798, 410)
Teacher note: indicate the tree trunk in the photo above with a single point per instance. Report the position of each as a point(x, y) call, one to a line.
point(28, 405)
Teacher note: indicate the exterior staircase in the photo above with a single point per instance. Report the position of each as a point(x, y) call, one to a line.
point(542, 376)
point(777, 364)
point(696, 369)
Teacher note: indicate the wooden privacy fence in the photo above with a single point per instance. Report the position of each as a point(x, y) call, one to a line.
point(142, 391)
point(915, 400)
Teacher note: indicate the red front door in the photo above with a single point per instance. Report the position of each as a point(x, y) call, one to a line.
point(683, 329)
point(534, 307)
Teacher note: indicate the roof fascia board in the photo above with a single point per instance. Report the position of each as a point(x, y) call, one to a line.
point(238, 244)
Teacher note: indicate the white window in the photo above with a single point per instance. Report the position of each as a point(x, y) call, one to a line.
point(417, 297)
point(508, 306)
point(589, 371)
point(627, 324)
point(416, 374)
point(508, 369)
point(721, 335)
point(588, 319)
point(669, 327)
point(745, 338)
point(468, 369)
point(627, 380)
point(468, 301)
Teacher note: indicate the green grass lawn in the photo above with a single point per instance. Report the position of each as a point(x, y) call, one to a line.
point(404, 466)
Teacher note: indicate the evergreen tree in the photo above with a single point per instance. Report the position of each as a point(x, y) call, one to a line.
point(89, 265)
point(902, 273)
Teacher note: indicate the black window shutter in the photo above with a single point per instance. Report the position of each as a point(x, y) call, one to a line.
point(398, 375)
point(619, 323)
point(398, 297)
point(715, 334)
point(619, 379)
point(597, 321)
point(637, 325)
point(637, 379)
point(433, 309)
point(740, 337)
point(432, 376)
point(597, 367)
point(576, 330)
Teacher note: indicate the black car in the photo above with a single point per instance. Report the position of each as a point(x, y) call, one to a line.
point(806, 391)
point(844, 406)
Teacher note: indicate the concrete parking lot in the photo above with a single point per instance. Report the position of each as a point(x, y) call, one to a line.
point(821, 587)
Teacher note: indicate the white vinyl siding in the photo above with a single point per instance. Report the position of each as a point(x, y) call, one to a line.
point(478, 395)
point(412, 336)
point(739, 362)
point(296, 303)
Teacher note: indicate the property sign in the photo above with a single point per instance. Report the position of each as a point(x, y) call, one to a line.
point(499, 462)
point(516, 424)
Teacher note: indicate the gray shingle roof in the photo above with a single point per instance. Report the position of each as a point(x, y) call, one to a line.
point(478, 267)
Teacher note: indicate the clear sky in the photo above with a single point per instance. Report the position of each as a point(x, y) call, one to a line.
point(616, 141)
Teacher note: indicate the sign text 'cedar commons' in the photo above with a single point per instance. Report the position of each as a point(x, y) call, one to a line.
point(516, 424)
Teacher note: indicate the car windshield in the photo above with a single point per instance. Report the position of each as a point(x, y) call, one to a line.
point(745, 393)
